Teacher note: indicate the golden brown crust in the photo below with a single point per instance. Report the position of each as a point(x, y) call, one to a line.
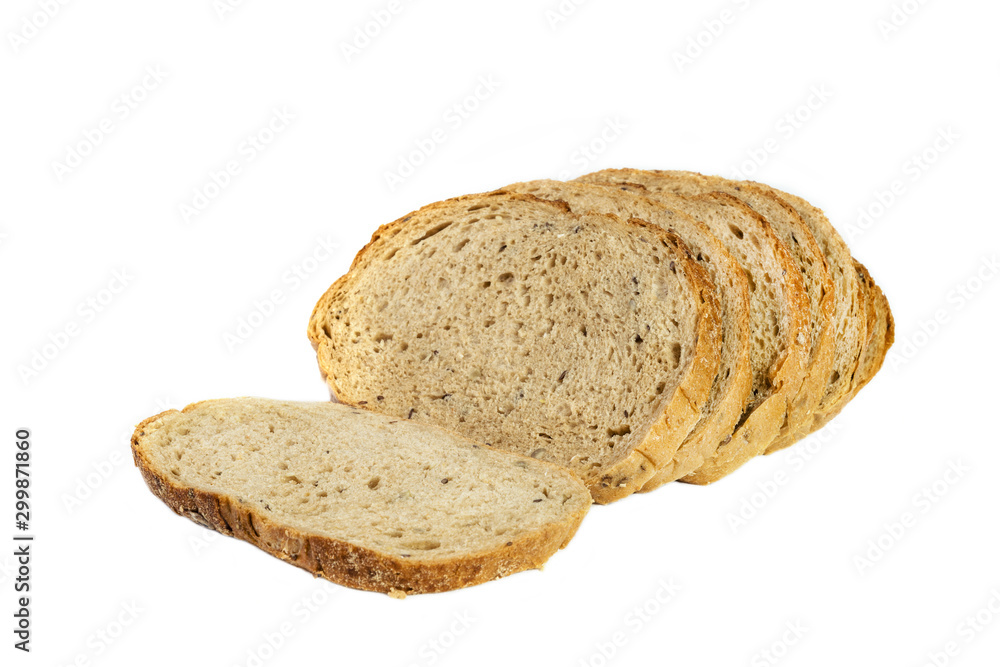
point(680, 412)
point(747, 441)
point(709, 449)
point(337, 560)
point(883, 328)
point(879, 327)
point(625, 477)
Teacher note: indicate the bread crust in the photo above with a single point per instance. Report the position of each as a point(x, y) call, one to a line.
point(880, 327)
point(340, 561)
point(679, 412)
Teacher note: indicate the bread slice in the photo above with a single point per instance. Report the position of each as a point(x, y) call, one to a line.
point(584, 340)
point(358, 498)
point(850, 319)
point(779, 309)
point(883, 329)
point(732, 385)
point(792, 230)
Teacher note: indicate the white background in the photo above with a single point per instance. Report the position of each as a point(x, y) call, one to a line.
point(803, 552)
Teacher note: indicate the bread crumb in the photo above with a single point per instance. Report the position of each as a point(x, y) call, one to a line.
point(397, 594)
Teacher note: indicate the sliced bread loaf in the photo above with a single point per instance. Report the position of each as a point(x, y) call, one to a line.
point(584, 340)
point(779, 308)
point(732, 385)
point(797, 237)
point(358, 498)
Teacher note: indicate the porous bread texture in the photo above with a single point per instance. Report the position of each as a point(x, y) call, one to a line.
point(584, 340)
point(732, 385)
point(359, 498)
point(779, 307)
point(850, 319)
point(801, 244)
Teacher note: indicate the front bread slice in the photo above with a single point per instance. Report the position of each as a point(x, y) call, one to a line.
point(358, 498)
point(585, 340)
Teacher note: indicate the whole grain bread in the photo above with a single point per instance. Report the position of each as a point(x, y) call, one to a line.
point(585, 340)
point(733, 383)
point(792, 230)
point(358, 498)
point(779, 314)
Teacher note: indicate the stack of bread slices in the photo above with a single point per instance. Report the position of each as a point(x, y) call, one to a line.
point(636, 327)
point(503, 358)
